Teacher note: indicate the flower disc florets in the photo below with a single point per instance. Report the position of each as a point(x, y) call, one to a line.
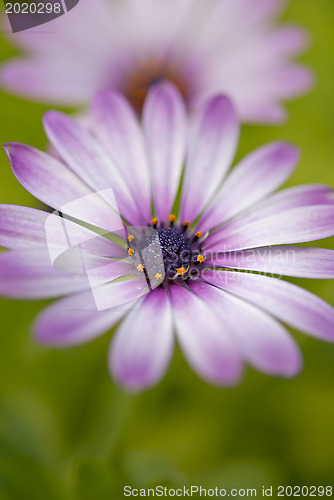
point(167, 252)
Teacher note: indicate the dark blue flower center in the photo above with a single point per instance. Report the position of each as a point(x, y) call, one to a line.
point(169, 253)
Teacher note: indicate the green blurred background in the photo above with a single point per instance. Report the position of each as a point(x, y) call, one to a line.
point(66, 432)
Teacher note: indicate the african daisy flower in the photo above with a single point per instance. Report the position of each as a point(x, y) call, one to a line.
point(168, 271)
point(233, 47)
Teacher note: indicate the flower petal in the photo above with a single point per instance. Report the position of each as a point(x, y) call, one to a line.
point(295, 197)
point(204, 340)
point(164, 120)
point(45, 80)
point(289, 81)
point(52, 182)
point(254, 178)
point(287, 40)
point(226, 15)
point(28, 274)
point(262, 341)
point(287, 302)
point(54, 72)
point(117, 127)
point(302, 262)
point(292, 226)
point(118, 293)
point(83, 154)
point(262, 113)
point(24, 227)
point(74, 320)
point(212, 146)
point(142, 346)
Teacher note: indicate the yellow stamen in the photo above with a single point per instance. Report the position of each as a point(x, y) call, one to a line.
point(140, 268)
point(200, 259)
point(198, 234)
point(155, 221)
point(131, 237)
point(172, 218)
point(131, 252)
point(158, 276)
point(186, 223)
point(181, 270)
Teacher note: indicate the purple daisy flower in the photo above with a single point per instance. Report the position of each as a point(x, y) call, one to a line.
point(233, 47)
point(181, 272)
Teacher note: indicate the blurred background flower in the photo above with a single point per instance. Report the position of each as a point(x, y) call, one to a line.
point(234, 47)
point(86, 439)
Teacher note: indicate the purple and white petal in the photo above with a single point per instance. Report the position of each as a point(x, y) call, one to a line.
point(119, 292)
point(292, 226)
point(87, 159)
point(164, 122)
point(106, 270)
point(261, 340)
point(263, 113)
point(74, 320)
point(289, 303)
point(116, 126)
point(254, 178)
point(289, 81)
point(212, 145)
point(220, 26)
point(44, 79)
point(28, 274)
point(287, 40)
point(204, 340)
point(24, 227)
point(297, 196)
point(287, 199)
point(32, 273)
point(142, 346)
point(52, 182)
point(53, 72)
point(301, 262)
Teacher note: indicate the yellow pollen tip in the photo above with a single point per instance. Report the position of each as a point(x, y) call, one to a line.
point(186, 223)
point(200, 259)
point(131, 237)
point(140, 268)
point(155, 221)
point(181, 270)
point(198, 234)
point(171, 218)
point(158, 276)
point(131, 252)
